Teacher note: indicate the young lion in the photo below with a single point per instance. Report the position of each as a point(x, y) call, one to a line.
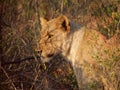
point(78, 44)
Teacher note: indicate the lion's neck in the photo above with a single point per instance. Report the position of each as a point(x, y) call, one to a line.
point(71, 44)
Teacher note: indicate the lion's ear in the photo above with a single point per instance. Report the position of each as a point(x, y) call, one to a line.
point(65, 23)
point(43, 21)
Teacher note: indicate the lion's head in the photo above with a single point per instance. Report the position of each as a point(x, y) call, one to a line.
point(52, 36)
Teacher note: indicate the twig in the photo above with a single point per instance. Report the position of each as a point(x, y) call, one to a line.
point(118, 26)
point(36, 77)
point(62, 5)
point(20, 60)
point(8, 78)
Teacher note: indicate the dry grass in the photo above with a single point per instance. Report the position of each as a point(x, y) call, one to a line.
point(106, 73)
point(20, 25)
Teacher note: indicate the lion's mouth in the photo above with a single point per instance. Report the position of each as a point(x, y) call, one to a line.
point(47, 58)
point(50, 55)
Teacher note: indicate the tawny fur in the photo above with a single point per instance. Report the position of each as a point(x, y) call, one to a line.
point(78, 44)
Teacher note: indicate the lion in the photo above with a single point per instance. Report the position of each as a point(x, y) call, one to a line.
point(77, 44)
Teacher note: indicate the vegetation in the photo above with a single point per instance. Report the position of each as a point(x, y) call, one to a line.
point(20, 26)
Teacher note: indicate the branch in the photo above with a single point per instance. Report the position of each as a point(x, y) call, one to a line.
point(21, 60)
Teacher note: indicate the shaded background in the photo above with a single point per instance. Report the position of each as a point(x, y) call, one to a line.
point(20, 27)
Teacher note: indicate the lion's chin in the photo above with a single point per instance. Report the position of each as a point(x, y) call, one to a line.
point(44, 60)
point(49, 57)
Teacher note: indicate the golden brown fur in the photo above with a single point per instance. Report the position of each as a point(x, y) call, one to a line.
point(78, 44)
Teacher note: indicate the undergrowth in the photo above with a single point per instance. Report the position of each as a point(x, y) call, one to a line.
point(20, 26)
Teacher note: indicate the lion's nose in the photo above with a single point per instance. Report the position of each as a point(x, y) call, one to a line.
point(39, 52)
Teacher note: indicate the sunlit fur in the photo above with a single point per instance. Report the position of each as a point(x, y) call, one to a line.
point(76, 43)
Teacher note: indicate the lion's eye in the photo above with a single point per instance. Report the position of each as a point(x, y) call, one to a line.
point(49, 35)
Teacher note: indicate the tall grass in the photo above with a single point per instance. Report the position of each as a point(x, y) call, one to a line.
point(20, 26)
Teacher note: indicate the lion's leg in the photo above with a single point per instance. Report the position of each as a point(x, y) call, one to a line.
point(82, 79)
point(79, 77)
